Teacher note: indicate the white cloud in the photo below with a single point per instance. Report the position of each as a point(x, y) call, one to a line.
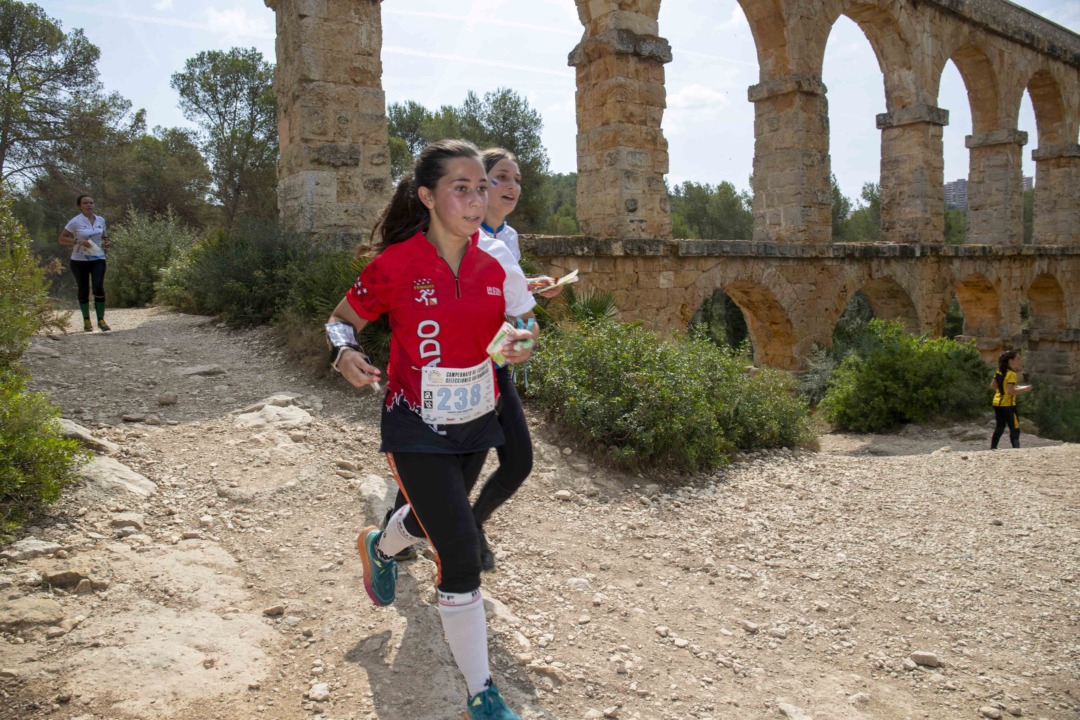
point(479, 19)
point(237, 23)
point(163, 5)
point(697, 97)
point(737, 19)
point(472, 60)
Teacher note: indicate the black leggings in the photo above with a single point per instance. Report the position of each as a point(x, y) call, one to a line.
point(1009, 416)
point(85, 272)
point(436, 487)
point(515, 455)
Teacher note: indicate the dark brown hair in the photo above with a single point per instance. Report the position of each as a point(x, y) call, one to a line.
point(405, 215)
point(492, 156)
point(78, 200)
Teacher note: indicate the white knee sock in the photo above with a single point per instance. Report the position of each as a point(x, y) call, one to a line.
point(465, 625)
point(396, 538)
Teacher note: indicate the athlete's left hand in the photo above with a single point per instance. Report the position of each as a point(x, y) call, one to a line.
point(516, 356)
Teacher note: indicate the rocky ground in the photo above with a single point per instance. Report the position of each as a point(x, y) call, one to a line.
point(205, 568)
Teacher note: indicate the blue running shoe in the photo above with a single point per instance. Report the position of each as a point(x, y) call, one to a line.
point(380, 576)
point(489, 705)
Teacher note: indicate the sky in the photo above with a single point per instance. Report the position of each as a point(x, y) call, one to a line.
point(434, 52)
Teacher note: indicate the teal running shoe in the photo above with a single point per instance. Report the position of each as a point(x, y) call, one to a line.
point(489, 705)
point(380, 576)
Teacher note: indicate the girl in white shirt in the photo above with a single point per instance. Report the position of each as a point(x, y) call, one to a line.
point(86, 235)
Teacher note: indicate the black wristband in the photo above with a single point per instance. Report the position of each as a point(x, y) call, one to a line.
point(335, 353)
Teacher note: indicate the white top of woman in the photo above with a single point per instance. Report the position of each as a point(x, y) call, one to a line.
point(83, 228)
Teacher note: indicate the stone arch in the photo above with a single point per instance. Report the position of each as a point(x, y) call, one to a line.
point(981, 305)
point(981, 83)
point(1049, 104)
point(888, 38)
point(890, 301)
point(1046, 304)
point(770, 327)
point(768, 26)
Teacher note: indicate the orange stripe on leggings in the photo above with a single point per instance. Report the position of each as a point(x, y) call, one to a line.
point(397, 479)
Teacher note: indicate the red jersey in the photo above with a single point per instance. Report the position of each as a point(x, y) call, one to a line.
point(437, 319)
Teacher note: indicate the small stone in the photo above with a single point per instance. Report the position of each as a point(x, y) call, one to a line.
point(319, 693)
point(750, 627)
point(30, 548)
point(274, 611)
point(192, 535)
point(1015, 710)
point(206, 520)
point(681, 643)
point(990, 712)
point(347, 474)
point(346, 464)
point(996, 522)
point(8, 673)
point(778, 632)
point(568, 451)
point(55, 632)
point(168, 399)
point(128, 519)
point(926, 659)
point(859, 698)
point(133, 417)
point(662, 631)
point(564, 495)
point(584, 620)
point(153, 420)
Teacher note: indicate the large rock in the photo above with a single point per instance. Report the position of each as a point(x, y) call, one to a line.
point(279, 418)
point(30, 548)
point(28, 611)
point(114, 477)
point(283, 399)
point(74, 430)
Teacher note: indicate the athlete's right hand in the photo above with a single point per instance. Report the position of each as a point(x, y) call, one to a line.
point(355, 368)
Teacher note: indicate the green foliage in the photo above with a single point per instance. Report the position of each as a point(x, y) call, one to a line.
point(231, 96)
point(954, 319)
point(502, 118)
point(892, 377)
point(1055, 410)
point(562, 210)
point(588, 305)
point(684, 403)
point(41, 70)
point(142, 248)
point(712, 213)
point(955, 226)
point(721, 320)
point(814, 381)
point(24, 302)
point(36, 462)
point(841, 210)
point(864, 223)
point(242, 276)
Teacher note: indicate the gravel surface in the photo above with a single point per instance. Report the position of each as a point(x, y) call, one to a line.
point(914, 575)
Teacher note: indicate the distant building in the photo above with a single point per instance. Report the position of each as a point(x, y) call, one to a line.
point(1029, 183)
point(956, 194)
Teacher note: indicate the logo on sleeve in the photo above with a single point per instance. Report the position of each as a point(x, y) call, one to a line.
point(494, 291)
point(425, 292)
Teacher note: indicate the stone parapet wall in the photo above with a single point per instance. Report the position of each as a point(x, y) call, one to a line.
point(1019, 25)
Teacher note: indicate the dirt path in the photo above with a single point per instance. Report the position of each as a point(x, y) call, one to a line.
point(893, 577)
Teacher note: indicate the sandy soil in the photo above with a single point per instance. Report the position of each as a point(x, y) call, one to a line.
point(914, 575)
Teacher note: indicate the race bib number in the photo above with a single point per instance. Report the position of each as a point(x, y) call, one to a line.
point(451, 396)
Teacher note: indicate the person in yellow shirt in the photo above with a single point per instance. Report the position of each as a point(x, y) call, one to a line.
point(1006, 389)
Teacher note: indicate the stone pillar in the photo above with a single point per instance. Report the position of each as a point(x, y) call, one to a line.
point(334, 171)
point(996, 188)
point(1057, 194)
point(912, 175)
point(792, 198)
point(622, 153)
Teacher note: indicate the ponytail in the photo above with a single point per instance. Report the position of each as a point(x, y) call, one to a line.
point(405, 215)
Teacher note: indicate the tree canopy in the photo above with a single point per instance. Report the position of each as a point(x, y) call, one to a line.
point(48, 78)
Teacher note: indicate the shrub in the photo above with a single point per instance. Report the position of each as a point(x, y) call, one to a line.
point(36, 463)
point(143, 247)
point(1056, 411)
point(242, 276)
point(892, 377)
point(642, 400)
point(24, 302)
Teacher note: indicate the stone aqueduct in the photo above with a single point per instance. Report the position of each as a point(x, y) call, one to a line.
point(790, 281)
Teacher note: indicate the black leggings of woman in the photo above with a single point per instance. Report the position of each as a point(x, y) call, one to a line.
point(1006, 416)
point(436, 488)
point(515, 455)
point(89, 272)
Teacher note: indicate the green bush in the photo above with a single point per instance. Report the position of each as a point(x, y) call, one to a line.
point(683, 403)
point(1056, 411)
point(142, 248)
point(24, 301)
point(243, 276)
point(892, 377)
point(36, 462)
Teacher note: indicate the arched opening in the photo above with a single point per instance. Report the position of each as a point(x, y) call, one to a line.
point(980, 305)
point(849, 67)
point(769, 327)
point(956, 158)
point(890, 301)
point(857, 314)
point(1046, 304)
point(1047, 214)
point(722, 320)
point(954, 319)
point(1026, 122)
point(706, 85)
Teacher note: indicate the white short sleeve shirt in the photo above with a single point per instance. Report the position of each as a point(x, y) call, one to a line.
point(83, 229)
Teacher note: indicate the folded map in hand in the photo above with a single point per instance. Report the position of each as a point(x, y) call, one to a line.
point(543, 284)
